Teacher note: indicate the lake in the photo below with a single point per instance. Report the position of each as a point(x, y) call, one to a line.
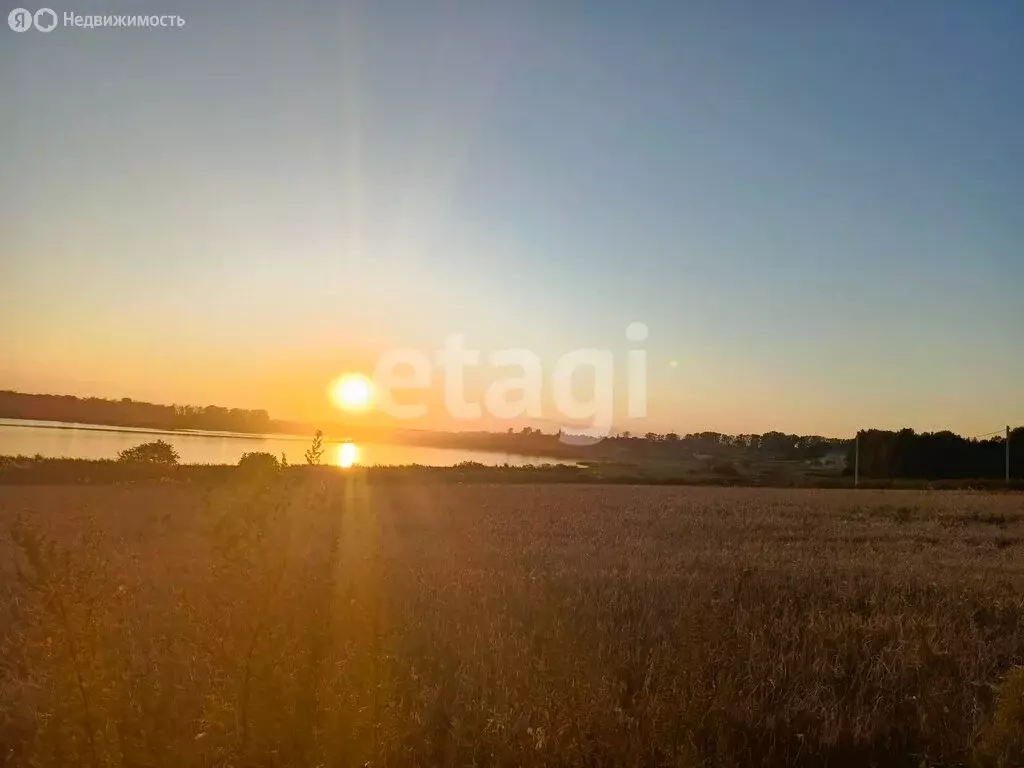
point(85, 441)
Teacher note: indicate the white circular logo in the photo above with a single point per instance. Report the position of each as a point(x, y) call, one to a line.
point(45, 19)
point(19, 19)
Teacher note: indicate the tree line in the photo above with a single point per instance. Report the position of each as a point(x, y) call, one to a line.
point(937, 455)
point(900, 453)
point(668, 446)
point(130, 413)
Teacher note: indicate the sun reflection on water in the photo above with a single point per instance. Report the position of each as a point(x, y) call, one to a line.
point(347, 455)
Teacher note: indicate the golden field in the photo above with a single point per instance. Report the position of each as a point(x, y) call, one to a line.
point(324, 621)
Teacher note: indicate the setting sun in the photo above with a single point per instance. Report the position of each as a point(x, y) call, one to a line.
point(352, 392)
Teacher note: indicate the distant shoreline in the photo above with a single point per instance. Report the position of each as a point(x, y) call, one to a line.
point(39, 424)
point(126, 416)
point(127, 430)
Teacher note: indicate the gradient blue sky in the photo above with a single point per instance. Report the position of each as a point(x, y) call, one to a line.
point(816, 207)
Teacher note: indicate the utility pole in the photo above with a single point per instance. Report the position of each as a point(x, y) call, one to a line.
point(1007, 453)
point(856, 460)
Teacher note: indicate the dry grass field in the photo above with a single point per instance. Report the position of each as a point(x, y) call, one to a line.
point(266, 622)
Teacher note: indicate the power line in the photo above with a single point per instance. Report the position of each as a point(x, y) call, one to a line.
point(993, 433)
point(987, 434)
point(996, 432)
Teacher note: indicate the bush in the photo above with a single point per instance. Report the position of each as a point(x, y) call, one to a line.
point(259, 461)
point(316, 450)
point(157, 454)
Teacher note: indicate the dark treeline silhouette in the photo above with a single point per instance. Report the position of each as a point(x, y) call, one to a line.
point(778, 446)
point(937, 455)
point(669, 446)
point(130, 413)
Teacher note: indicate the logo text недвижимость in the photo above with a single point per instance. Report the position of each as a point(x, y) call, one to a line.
point(47, 19)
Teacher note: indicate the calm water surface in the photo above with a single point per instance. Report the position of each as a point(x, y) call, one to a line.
point(81, 441)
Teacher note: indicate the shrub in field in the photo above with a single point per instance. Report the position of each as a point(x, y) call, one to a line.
point(315, 451)
point(156, 454)
point(259, 462)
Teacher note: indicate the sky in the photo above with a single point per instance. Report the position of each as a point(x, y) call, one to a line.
point(816, 208)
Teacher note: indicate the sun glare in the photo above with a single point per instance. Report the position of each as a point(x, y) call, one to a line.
point(348, 455)
point(352, 392)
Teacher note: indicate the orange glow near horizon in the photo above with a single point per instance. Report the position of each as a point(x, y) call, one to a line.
point(347, 455)
point(352, 392)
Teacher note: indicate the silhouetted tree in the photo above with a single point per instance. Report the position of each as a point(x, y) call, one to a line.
point(157, 453)
point(936, 455)
point(316, 451)
point(258, 462)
